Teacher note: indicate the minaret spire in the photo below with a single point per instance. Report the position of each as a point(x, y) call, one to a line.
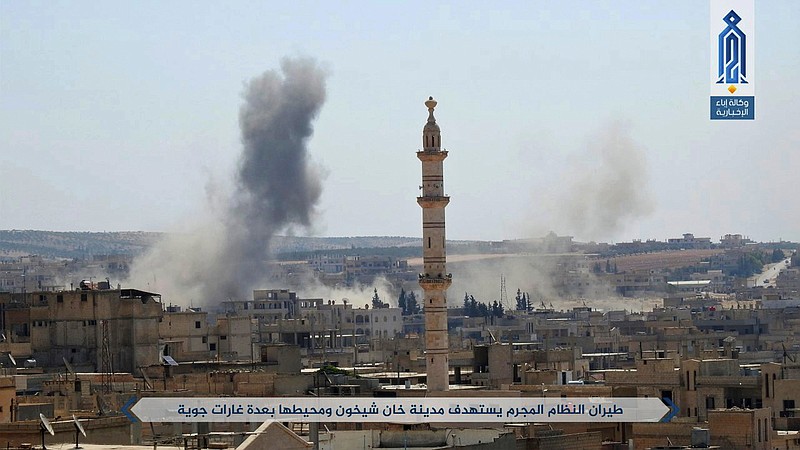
point(431, 134)
point(434, 280)
point(431, 104)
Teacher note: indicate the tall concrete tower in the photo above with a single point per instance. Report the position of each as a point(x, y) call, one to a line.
point(434, 280)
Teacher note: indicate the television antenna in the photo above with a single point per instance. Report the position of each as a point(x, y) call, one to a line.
point(44, 425)
point(503, 292)
point(786, 356)
point(78, 431)
point(106, 368)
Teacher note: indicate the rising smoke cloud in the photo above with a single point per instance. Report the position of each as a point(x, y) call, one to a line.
point(542, 277)
point(276, 189)
point(606, 187)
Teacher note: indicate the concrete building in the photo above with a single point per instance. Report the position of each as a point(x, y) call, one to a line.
point(185, 334)
point(434, 280)
point(734, 240)
point(8, 391)
point(69, 325)
point(690, 241)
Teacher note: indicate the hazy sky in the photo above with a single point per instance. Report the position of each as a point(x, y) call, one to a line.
point(119, 116)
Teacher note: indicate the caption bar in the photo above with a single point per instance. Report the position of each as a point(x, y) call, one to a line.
point(400, 410)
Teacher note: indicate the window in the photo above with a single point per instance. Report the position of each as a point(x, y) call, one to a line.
point(212, 346)
point(759, 430)
point(197, 324)
point(84, 297)
point(205, 339)
point(60, 298)
point(223, 338)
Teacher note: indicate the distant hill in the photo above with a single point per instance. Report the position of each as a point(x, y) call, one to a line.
point(82, 245)
point(291, 244)
point(73, 244)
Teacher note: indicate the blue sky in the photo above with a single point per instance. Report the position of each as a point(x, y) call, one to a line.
point(118, 116)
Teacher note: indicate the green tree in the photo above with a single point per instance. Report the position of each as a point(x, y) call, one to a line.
point(412, 306)
point(376, 301)
point(747, 265)
point(472, 307)
point(497, 309)
point(777, 255)
point(401, 302)
point(521, 303)
point(482, 310)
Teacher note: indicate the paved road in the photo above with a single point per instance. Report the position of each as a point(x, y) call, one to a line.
point(770, 272)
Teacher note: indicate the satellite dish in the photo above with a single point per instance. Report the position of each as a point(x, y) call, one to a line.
point(78, 431)
point(78, 425)
point(44, 425)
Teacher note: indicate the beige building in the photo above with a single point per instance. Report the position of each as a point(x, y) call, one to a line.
point(8, 392)
point(72, 325)
point(185, 335)
point(235, 335)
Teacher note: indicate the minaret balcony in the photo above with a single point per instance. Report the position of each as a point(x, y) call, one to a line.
point(436, 281)
point(433, 201)
point(432, 154)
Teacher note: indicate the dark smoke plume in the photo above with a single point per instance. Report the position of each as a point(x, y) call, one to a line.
point(277, 188)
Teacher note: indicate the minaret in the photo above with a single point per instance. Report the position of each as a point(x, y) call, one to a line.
point(434, 280)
